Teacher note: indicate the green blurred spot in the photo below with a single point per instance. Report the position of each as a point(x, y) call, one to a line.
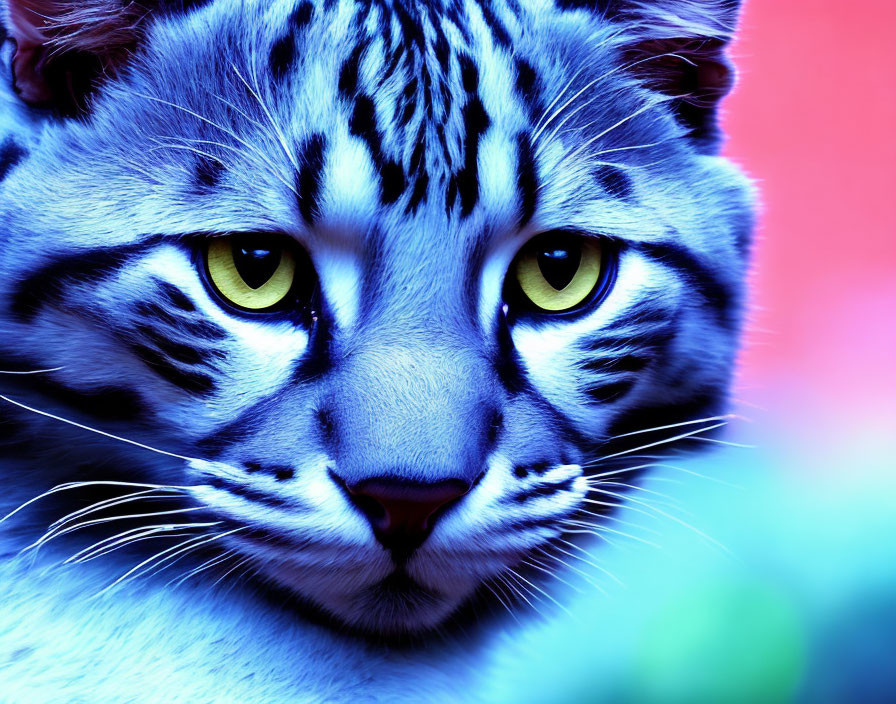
point(729, 642)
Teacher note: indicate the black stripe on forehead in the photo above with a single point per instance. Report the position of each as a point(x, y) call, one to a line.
point(47, 284)
point(348, 73)
point(417, 171)
point(526, 178)
point(614, 181)
point(363, 124)
point(527, 87)
point(465, 183)
point(208, 172)
point(282, 57)
point(496, 26)
point(10, 155)
point(308, 180)
point(410, 24)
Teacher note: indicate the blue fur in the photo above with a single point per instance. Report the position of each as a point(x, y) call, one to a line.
point(253, 117)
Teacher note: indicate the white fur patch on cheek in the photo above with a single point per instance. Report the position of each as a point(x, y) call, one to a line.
point(258, 355)
point(263, 345)
point(549, 350)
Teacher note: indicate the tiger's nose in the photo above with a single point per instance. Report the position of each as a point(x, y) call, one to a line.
point(403, 513)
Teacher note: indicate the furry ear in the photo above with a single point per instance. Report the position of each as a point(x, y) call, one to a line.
point(679, 48)
point(63, 47)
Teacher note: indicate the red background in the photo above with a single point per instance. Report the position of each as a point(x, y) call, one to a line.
point(812, 119)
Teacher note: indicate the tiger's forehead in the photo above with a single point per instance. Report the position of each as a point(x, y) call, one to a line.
point(407, 121)
point(395, 103)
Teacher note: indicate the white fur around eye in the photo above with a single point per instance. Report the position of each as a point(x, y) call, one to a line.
point(548, 348)
point(262, 349)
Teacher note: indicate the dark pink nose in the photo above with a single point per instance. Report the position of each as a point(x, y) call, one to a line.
point(402, 513)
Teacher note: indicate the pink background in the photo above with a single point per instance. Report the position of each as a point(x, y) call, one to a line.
point(812, 120)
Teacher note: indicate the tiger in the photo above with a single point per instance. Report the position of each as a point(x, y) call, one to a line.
point(373, 308)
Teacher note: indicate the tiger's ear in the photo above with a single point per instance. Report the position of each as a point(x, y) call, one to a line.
point(680, 48)
point(64, 47)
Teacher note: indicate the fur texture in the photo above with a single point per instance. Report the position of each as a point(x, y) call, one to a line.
point(412, 149)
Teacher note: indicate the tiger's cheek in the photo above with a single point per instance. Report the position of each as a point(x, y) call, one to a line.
point(592, 367)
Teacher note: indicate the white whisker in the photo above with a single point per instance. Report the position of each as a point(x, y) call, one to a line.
point(154, 561)
point(590, 563)
point(134, 535)
point(599, 529)
point(207, 565)
point(501, 583)
point(672, 518)
point(95, 430)
point(235, 567)
point(55, 533)
point(559, 560)
point(541, 591)
point(542, 124)
point(710, 419)
point(594, 478)
point(501, 601)
point(604, 517)
point(666, 499)
point(78, 485)
point(535, 564)
point(211, 123)
point(587, 143)
point(280, 137)
point(607, 74)
point(655, 444)
point(520, 589)
point(107, 503)
point(726, 443)
point(32, 371)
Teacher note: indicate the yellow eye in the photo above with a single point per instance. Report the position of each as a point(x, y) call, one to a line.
point(252, 272)
point(558, 271)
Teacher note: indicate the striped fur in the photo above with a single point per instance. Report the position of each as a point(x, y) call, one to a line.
point(412, 148)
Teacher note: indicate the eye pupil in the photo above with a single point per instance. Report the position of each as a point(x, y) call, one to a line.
point(559, 265)
point(259, 273)
point(254, 264)
point(558, 272)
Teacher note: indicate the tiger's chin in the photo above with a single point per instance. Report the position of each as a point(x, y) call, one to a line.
point(375, 599)
point(399, 605)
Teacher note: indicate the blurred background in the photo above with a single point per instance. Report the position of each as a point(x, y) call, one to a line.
point(800, 604)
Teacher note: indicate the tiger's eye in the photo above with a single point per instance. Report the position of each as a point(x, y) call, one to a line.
point(558, 271)
point(250, 272)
